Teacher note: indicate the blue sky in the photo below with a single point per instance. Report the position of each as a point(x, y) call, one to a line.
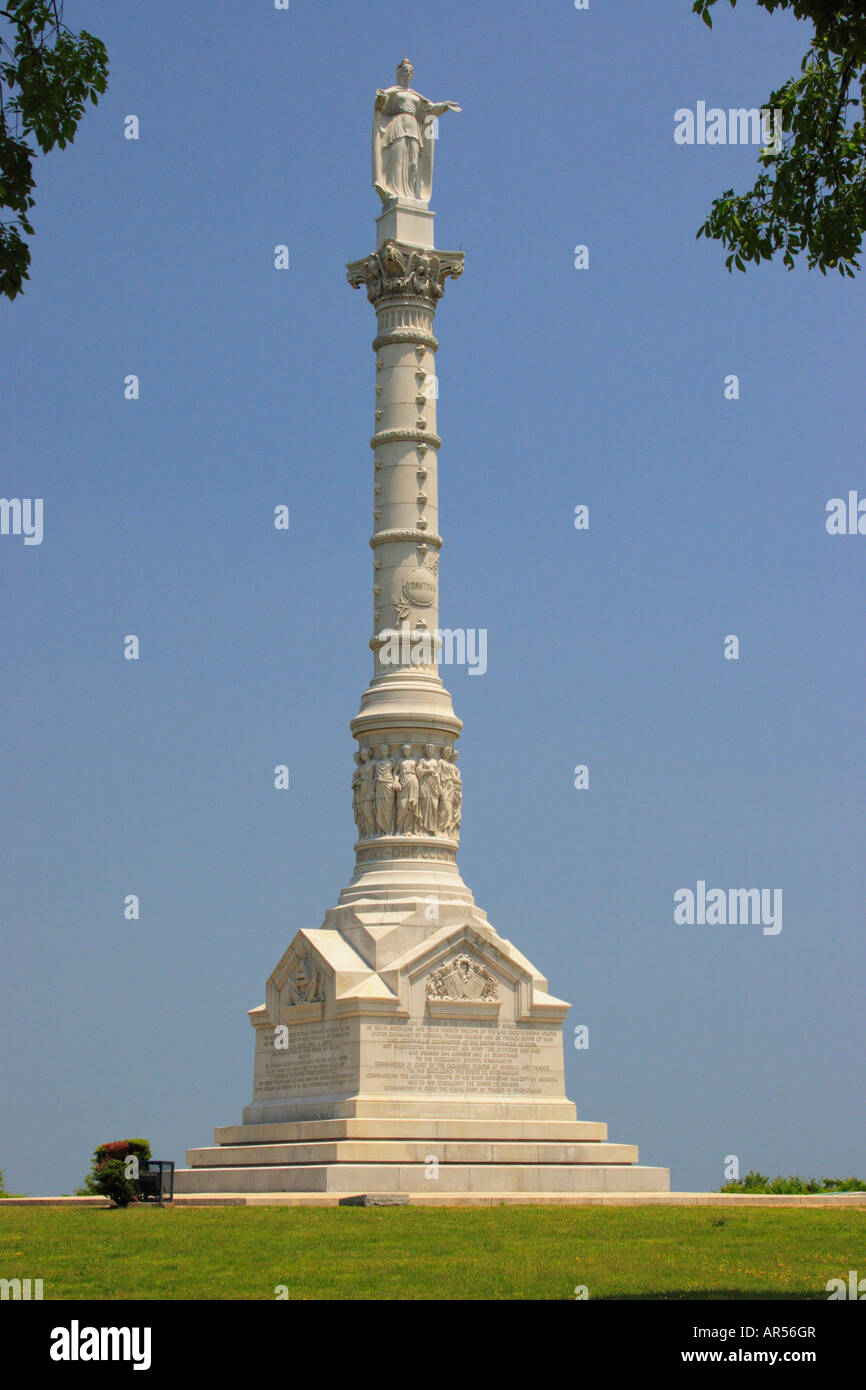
point(605, 647)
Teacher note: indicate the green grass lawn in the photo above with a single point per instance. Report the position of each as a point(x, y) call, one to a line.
point(429, 1253)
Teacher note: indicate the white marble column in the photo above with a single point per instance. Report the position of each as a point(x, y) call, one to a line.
point(411, 852)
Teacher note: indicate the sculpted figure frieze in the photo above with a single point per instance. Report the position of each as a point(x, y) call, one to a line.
point(408, 795)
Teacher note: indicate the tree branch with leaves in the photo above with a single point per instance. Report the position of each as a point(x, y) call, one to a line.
point(47, 74)
point(810, 198)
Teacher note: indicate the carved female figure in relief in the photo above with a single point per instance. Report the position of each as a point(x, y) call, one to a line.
point(428, 789)
point(403, 139)
point(386, 786)
point(407, 793)
point(366, 793)
point(446, 793)
point(356, 793)
point(457, 797)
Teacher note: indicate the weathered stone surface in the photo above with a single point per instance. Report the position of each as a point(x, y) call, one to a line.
point(376, 1199)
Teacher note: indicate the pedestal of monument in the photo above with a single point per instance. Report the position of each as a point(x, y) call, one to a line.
point(412, 1061)
point(405, 1046)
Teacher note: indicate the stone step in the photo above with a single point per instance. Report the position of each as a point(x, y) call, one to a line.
point(368, 1106)
point(414, 1177)
point(570, 1131)
point(447, 1151)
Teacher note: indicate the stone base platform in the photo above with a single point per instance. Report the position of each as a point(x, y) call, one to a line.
point(416, 1178)
point(850, 1200)
point(433, 1128)
point(398, 1057)
point(417, 1155)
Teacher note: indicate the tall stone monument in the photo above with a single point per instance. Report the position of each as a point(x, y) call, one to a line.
point(404, 1046)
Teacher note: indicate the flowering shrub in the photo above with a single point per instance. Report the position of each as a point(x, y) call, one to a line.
point(111, 1175)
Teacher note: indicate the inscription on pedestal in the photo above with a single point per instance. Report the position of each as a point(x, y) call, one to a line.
point(453, 1058)
point(320, 1058)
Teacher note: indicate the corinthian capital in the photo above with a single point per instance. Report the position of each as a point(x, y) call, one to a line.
point(399, 272)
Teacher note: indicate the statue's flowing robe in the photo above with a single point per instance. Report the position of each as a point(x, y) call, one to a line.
point(428, 793)
point(384, 796)
point(446, 797)
point(457, 801)
point(398, 126)
point(407, 796)
point(366, 792)
point(366, 780)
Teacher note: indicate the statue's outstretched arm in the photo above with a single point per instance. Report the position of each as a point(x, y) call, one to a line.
point(438, 108)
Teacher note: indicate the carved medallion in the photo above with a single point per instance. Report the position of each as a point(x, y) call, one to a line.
point(306, 983)
point(419, 588)
point(462, 978)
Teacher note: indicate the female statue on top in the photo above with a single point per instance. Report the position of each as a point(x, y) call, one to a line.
point(403, 135)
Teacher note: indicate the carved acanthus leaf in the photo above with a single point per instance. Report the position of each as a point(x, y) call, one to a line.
point(398, 272)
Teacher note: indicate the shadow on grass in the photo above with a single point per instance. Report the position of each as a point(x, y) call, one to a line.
point(714, 1296)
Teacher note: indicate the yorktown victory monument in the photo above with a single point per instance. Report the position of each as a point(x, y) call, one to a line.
point(405, 1047)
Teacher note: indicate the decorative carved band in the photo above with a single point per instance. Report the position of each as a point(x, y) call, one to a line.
point(401, 313)
point(442, 856)
point(405, 435)
point(416, 537)
point(406, 335)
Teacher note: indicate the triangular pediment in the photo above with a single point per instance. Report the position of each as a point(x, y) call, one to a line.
point(480, 944)
point(316, 967)
point(468, 966)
